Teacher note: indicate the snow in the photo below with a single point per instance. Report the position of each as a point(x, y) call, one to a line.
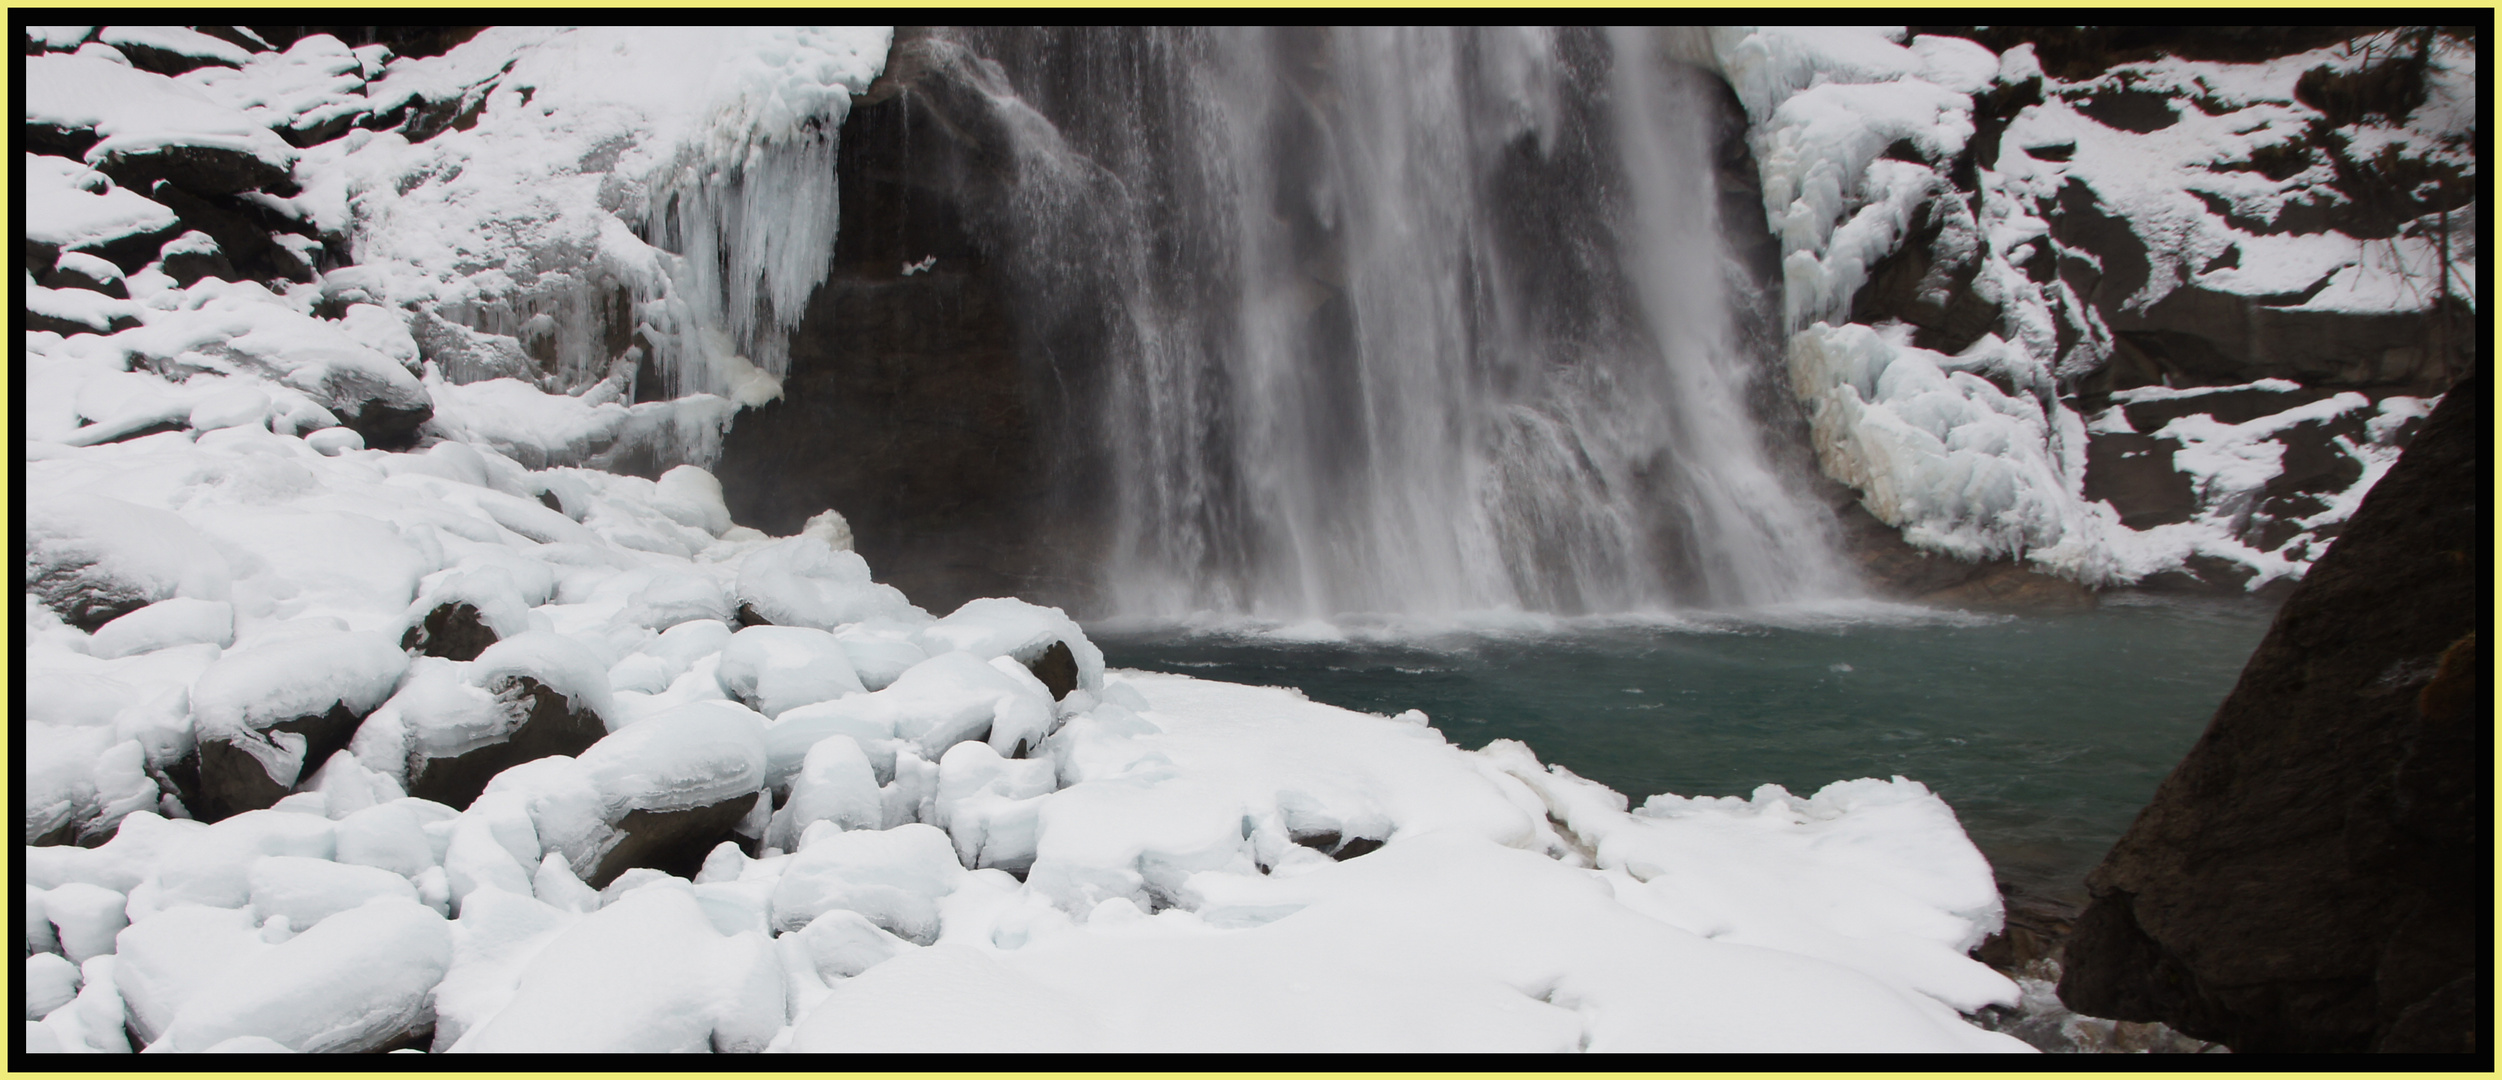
point(346, 984)
point(1005, 626)
point(690, 756)
point(815, 579)
point(137, 111)
point(1144, 864)
point(174, 621)
point(892, 877)
point(773, 668)
point(647, 973)
point(51, 982)
point(71, 206)
point(283, 675)
point(181, 41)
point(693, 167)
point(1992, 466)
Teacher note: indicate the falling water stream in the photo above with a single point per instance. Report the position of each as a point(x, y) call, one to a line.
point(1413, 328)
point(1404, 319)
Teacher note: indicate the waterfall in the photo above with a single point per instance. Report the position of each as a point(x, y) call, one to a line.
point(1397, 319)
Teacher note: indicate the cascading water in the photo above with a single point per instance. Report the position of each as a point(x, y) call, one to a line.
point(1400, 320)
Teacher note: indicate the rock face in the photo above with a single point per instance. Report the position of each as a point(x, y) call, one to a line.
point(2315, 874)
point(908, 405)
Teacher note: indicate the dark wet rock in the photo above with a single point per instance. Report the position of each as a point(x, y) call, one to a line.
point(1336, 846)
point(64, 326)
point(207, 170)
point(385, 425)
point(427, 40)
point(1934, 296)
point(243, 231)
point(2006, 586)
point(2134, 474)
point(550, 726)
point(148, 57)
point(126, 251)
point(1056, 667)
point(671, 841)
point(2140, 111)
point(747, 617)
point(2076, 53)
point(2315, 874)
point(918, 416)
point(195, 255)
point(2197, 337)
point(451, 631)
point(79, 274)
point(232, 781)
point(85, 594)
point(56, 140)
point(1892, 567)
point(2037, 928)
point(241, 37)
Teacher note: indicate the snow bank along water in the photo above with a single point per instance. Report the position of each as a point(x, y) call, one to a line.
point(808, 833)
point(458, 745)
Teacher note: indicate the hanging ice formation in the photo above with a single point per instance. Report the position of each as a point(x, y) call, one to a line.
point(661, 200)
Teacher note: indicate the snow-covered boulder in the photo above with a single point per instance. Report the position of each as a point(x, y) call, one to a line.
point(275, 708)
point(648, 973)
point(814, 579)
point(774, 668)
point(893, 877)
point(95, 558)
point(356, 981)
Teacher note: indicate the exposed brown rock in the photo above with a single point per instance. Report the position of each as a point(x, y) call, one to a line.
point(671, 841)
point(232, 781)
point(549, 727)
point(451, 631)
point(1057, 668)
point(2315, 874)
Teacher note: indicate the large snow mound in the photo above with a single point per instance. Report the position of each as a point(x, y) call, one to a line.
point(1158, 863)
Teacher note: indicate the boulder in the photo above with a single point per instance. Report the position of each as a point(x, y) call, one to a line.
point(2313, 875)
point(671, 841)
point(232, 778)
point(195, 255)
point(205, 169)
point(452, 631)
point(244, 232)
point(93, 559)
point(79, 270)
point(550, 725)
